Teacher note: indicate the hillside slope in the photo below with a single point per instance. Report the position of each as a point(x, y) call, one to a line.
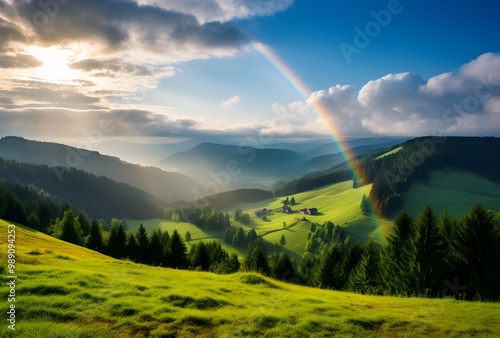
point(167, 185)
point(65, 290)
point(452, 190)
point(98, 196)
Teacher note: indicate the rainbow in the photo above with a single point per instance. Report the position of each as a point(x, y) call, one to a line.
point(296, 82)
point(381, 231)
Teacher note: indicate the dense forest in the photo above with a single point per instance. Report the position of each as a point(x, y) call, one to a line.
point(427, 256)
point(100, 197)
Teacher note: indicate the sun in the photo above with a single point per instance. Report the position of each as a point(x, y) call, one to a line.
point(54, 66)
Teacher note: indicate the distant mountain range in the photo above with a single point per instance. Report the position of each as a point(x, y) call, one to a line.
point(209, 162)
point(255, 167)
point(167, 185)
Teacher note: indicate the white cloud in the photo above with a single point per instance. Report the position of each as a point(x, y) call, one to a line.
point(465, 102)
point(231, 102)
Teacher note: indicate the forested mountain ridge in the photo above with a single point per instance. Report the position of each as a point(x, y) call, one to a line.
point(392, 174)
point(167, 185)
point(100, 197)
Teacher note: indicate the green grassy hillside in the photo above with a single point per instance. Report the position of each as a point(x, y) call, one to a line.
point(395, 150)
point(338, 203)
point(454, 191)
point(64, 290)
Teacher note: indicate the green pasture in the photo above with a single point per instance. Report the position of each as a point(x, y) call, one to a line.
point(454, 191)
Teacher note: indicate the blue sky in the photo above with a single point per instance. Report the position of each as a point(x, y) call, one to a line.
point(157, 69)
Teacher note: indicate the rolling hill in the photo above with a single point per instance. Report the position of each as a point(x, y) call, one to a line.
point(366, 144)
point(167, 185)
point(64, 290)
point(242, 165)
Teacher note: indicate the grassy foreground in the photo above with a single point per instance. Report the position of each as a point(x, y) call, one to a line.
point(67, 291)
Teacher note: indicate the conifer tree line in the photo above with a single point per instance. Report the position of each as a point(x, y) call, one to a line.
point(206, 218)
point(425, 256)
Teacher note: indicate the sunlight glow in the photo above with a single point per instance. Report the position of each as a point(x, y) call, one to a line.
point(55, 61)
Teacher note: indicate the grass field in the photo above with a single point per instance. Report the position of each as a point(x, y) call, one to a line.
point(454, 191)
point(63, 290)
point(338, 203)
point(395, 150)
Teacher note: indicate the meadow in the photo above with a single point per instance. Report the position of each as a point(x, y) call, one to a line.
point(454, 191)
point(65, 290)
point(338, 203)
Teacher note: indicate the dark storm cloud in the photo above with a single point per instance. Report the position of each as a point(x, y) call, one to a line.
point(116, 23)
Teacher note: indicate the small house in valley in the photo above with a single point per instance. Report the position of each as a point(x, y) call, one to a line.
point(310, 211)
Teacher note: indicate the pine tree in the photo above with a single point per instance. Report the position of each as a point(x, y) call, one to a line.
point(44, 215)
point(429, 257)
point(329, 274)
point(132, 247)
point(227, 221)
point(234, 263)
point(83, 219)
point(251, 237)
point(117, 241)
point(13, 209)
point(178, 257)
point(95, 241)
point(201, 258)
point(237, 215)
point(283, 269)
point(143, 252)
point(69, 228)
point(283, 240)
point(239, 239)
point(187, 236)
point(307, 268)
point(477, 249)
point(257, 261)
point(352, 259)
point(366, 276)
point(156, 248)
point(228, 236)
point(399, 256)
